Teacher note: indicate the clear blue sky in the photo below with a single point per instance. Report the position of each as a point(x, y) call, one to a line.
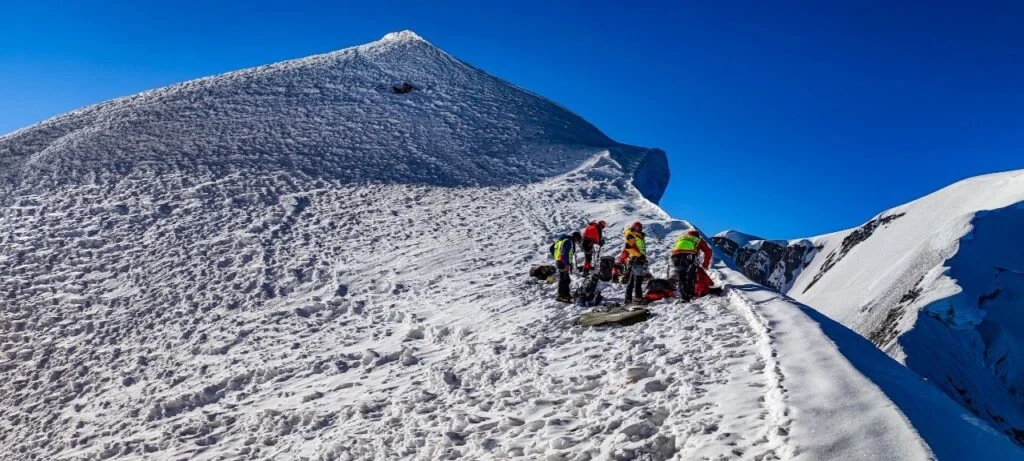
point(782, 119)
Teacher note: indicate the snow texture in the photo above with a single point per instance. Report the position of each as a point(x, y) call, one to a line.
point(297, 262)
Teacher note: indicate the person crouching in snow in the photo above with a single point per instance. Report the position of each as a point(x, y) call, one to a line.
point(592, 235)
point(564, 253)
point(684, 262)
point(637, 249)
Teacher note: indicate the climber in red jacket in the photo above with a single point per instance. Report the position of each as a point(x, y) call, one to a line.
point(592, 235)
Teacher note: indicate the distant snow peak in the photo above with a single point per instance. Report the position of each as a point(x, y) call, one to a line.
point(741, 238)
point(402, 36)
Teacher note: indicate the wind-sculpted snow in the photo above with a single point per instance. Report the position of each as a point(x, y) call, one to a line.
point(981, 325)
point(281, 316)
point(250, 315)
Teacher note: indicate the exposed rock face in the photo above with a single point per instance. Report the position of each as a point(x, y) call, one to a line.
point(726, 246)
point(774, 264)
point(777, 263)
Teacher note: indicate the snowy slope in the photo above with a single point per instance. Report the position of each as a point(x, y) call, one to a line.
point(937, 283)
point(295, 262)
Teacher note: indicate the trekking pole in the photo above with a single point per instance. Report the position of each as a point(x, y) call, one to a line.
point(575, 261)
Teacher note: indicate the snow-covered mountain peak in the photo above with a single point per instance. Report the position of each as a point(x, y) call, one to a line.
point(395, 111)
point(407, 45)
point(402, 36)
point(738, 237)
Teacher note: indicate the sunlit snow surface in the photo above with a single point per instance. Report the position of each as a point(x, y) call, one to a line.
point(295, 262)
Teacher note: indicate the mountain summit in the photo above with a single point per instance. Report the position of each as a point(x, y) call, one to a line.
point(334, 116)
point(405, 35)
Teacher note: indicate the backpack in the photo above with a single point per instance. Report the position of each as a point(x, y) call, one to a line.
point(542, 272)
point(659, 289)
point(705, 285)
point(621, 273)
point(604, 268)
point(586, 293)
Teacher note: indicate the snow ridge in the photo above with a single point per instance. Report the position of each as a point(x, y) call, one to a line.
point(929, 282)
point(780, 424)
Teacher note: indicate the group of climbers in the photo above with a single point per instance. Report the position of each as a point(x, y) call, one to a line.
point(633, 259)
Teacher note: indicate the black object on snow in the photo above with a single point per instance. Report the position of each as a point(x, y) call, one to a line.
point(405, 87)
point(542, 272)
point(605, 266)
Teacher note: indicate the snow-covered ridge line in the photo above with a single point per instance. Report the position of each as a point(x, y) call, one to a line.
point(391, 37)
point(928, 283)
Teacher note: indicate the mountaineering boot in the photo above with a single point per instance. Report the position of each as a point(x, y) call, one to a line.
point(564, 299)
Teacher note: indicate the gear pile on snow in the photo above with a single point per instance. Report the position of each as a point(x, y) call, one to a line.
point(587, 292)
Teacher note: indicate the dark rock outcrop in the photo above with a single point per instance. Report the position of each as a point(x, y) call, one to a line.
point(774, 264)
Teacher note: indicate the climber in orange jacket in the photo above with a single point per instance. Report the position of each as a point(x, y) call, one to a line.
point(636, 247)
